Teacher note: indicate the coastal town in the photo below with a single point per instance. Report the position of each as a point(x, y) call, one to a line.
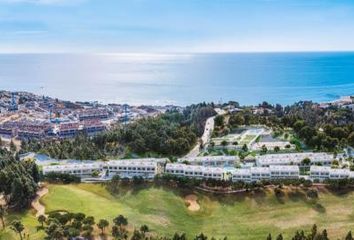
point(177, 120)
point(68, 149)
point(25, 116)
point(28, 116)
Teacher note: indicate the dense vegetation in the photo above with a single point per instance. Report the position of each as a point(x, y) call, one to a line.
point(314, 234)
point(325, 129)
point(67, 225)
point(18, 180)
point(170, 134)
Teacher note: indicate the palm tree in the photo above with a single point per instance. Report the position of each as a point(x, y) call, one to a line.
point(102, 224)
point(17, 227)
point(3, 213)
point(144, 229)
point(201, 237)
point(120, 221)
point(41, 219)
point(280, 237)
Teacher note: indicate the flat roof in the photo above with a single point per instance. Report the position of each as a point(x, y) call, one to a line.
point(209, 158)
point(293, 168)
point(293, 157)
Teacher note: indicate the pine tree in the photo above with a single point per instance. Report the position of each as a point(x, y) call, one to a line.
point(349, 236)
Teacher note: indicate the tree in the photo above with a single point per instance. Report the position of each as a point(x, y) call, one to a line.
point(102, 224)
point(119, 233)
point(349, 236)
point(236, 120)
point(73, 232)
point(144, 229)
point(12, 147)
point(351, 139)
point(269, 237)
point(244, 148)
point(219, 120)
point(179, 237)
point(314, 231)
point(3, 213)
point(41, 219)
point(306, 162)
point(280, 237)
point(54, 231)
point(89, 220)
point(17, 227)
point(264, 149)
point(339, 132)
point(276, 149)
point(120, 221)
point(224, 143)
point(201, 237)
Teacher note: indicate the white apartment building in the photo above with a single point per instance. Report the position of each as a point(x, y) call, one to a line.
point(284, 172)
point(322, 173)
point(146, 168)
point(81, 170)
point(254, 174)
point(241, 174)
point(175, 169)
point(211, 161)
point(214, 173)
point(260, 173)
point(194, 171)
point(267, 160)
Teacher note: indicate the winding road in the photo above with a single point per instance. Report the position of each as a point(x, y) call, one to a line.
point(208, 131)
point(36, 205)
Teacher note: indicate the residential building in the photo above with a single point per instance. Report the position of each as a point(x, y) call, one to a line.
point(267, 160)
point(93, 113)
point(145, 168)
point(284, 172)
point(81, 170)
point(321, 173)
point(241, 174)
point(260, 173)
point(195, 171)
point(211, 161)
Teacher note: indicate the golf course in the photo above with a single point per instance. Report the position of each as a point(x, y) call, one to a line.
point(249, 216)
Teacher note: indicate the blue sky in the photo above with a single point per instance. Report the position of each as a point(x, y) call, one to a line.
point(176, 25)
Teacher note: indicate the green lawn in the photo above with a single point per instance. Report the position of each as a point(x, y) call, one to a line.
point(244, 217)
point(247, 139)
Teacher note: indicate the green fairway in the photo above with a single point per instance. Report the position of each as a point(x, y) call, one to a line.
point(243, 217)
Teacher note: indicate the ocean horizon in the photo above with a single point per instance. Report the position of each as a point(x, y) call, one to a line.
point(182, 79)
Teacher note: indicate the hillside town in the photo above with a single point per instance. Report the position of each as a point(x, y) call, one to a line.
point(26, 116)
point(87, 151)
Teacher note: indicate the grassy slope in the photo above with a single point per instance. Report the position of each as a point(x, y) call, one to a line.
point(250, 218)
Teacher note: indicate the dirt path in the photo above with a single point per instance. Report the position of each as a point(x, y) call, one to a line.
point(36, 205)
point(2, 200)
point(191, 201)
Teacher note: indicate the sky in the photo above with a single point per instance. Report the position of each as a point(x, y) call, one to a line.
point(110, 26)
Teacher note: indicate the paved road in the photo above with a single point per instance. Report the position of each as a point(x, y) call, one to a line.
point(208, 130)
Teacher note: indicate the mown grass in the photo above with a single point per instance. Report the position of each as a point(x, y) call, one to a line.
point(250, 216)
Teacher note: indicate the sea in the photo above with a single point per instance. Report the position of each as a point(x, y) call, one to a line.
point(182, 79)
